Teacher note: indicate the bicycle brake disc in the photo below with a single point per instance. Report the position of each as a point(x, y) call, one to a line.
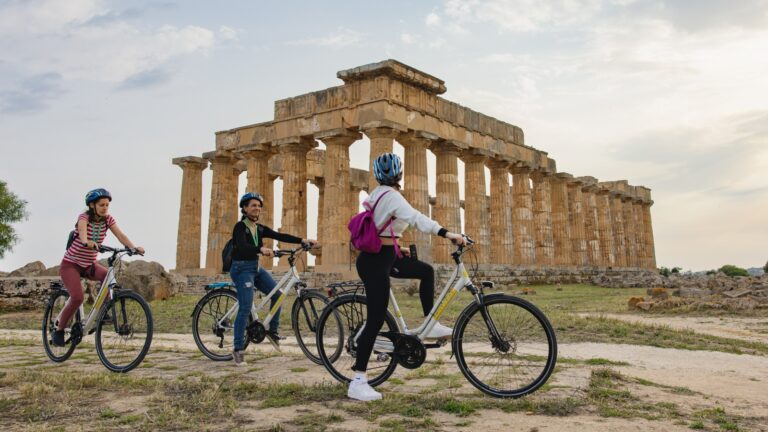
point(410, 351)
point(256, 332)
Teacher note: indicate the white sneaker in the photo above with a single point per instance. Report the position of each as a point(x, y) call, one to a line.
point(439, 331)
point(362, 391)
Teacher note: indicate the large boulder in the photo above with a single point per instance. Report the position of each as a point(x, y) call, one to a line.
point(149, 279)
point(29, 270)
point(51, 271)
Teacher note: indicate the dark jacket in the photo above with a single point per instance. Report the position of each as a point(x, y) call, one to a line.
point(244, 247)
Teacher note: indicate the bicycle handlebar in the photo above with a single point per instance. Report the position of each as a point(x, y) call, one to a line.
point(283, 252)
point(128, 251)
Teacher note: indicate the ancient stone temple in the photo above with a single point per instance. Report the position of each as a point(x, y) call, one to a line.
point(535, 216)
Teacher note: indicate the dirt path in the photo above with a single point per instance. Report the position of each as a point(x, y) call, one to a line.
point(736, 382)
point(749, 329)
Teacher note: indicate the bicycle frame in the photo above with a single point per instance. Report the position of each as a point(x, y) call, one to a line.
point(106, 287)
point(289, 280)
point(458, 281)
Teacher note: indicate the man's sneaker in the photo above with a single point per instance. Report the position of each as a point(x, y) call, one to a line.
point(58, 338)
point(274, 339)
point(362, 391)
point(439, 331)
point(239, 358)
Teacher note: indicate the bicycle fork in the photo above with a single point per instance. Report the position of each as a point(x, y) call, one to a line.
point(495, 338)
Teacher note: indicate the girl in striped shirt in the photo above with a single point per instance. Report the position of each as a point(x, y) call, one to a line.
point(80, 258)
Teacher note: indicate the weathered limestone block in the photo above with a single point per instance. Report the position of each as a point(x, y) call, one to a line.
point(223, 210)
point(188, 240)
point(502, 251)
point(576, 216)
point(294, 154)
point(24, 292)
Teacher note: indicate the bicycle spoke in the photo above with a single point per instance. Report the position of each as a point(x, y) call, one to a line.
point(123, 339)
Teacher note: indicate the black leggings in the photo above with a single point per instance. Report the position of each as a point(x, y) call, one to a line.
point(409, 268)
point(374, 270)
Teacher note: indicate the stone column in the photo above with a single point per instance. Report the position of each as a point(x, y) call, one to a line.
point(501, 231)
point(522, 216)
point(640, 251)
point(321, 221)
point(336, 211)
point(257, 158)
point(382, 135)
point(576, 217)
point(223, 209)
point(294, 157)
point(629, 231)
point(268, 217)
point(415, 188)
point(542, 217)
point(476, 218)
point(561, 226)
point(619, 239)
point(353, 208)
point(447, 207)
point(591, 233)
point(190, 212)
point(605, 227)
point(650, 243)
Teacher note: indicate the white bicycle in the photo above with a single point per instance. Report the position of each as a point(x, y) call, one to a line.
point(504, 345)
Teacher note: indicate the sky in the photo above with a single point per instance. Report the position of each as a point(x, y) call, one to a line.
point(671, 95)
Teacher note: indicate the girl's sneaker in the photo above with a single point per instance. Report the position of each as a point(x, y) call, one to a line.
point(58, 338)
point(362, 391)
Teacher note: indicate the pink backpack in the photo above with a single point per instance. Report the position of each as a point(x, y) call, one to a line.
point(363, 233)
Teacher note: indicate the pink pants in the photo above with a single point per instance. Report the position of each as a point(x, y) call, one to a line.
point(70, 275)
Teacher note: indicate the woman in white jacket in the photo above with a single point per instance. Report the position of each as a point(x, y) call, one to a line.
point(374, 269)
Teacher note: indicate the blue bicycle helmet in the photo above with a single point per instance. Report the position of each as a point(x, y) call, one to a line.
point(249, 196)
point(96, 195)
point(388, 169)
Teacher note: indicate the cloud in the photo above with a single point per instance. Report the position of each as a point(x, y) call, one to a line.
point(145, 79)
point(522, 15)
point(432, 19)
point(406, 38)
point(717, 160)
point(84, 39)
point(341, 38)
point(32, 95)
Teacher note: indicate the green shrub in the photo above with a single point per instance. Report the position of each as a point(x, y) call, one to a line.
point(731, 270)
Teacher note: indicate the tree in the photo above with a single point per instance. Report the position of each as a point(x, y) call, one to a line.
point(12, 209)
point(765, 267)
point(731, 270)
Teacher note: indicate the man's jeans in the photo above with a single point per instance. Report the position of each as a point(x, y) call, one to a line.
point(246, 275)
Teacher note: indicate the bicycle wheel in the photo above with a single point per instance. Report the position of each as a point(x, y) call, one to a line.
point(528, 353)
point(339, 324)
point(124, 331)
point(55, 304)
point(305, 313)
point(213, 333)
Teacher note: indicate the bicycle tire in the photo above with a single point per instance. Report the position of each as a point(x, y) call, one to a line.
point(117, 341)
point(532, 353)
point(305, 313)
point(56, 302)
point(205, 318)
point(345, 315)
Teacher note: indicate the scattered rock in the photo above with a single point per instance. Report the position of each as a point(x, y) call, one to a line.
point(645, 305)
point(693, 292)
point(658, 293)
point(29, 270)
point(633, 301)
point(148, 279)
point(737, 293)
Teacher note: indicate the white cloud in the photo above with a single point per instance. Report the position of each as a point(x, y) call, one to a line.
point(406, 38)
point(57, 37)
point(227, 33)
point(341, 38)
point(432, 19)
point(522, 15)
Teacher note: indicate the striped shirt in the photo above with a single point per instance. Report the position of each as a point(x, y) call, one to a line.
point(78, 253)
